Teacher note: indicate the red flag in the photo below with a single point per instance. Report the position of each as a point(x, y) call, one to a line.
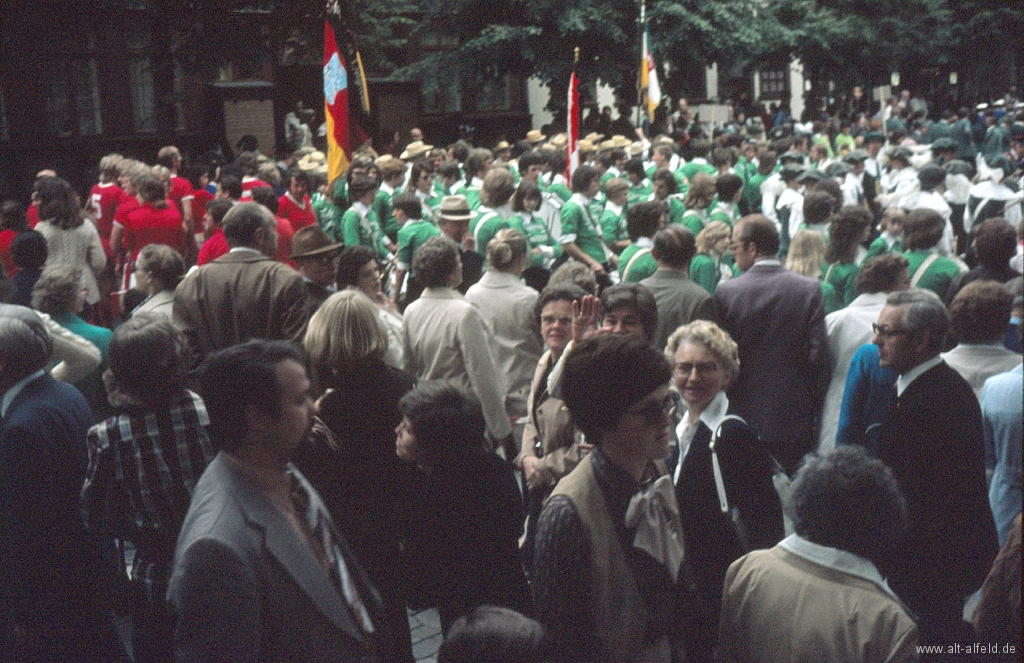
point(339, 148)
point(572, 132)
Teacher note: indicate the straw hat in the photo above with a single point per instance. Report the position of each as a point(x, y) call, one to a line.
point(619, 140)
point(503, 145)
point(585, 145)
point(415, 149)
point(608, 144)
point(535, 136)
point(635, 149)
point(559, 140)
point(455, 208)
point(594, 137)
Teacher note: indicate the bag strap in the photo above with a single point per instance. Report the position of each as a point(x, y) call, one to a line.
point(829, 272)
point(922, 269)
point(723, 499)
point(641, 252)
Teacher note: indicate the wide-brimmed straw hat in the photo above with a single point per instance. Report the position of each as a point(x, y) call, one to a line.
point(455, 208)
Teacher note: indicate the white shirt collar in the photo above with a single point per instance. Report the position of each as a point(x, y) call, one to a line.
point(767, 262)
point(476, 183)
point(613, 208)
point(904, 381)
point(387, 188)
point(711, 416)
point(644, 242)
point(839, 560)
point(360, 208)
point(580, 200)
point(242, 249)
point(16, 388)
point(419, 194)
point(301, 204)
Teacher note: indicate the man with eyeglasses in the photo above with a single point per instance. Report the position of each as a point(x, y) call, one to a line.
point(932, 438)
point(777, 318)
point(316, 259)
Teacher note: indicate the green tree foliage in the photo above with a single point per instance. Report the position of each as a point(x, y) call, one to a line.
point(847, 41)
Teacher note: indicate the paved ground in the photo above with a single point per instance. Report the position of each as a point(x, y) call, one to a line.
point(426, 634)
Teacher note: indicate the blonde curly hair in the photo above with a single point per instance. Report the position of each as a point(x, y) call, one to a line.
point(712, 337)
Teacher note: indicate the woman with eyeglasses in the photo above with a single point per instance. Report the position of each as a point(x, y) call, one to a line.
point(723, 478)
point(609, 548)
point(551, 445)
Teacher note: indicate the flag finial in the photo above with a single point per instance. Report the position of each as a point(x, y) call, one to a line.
point(576, 55)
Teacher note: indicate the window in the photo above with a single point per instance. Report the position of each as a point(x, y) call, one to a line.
point(494, 95)
point(58, 102)
point(179, 107)
point(775, 83)
point(143, 101)
point(87, 97)
point(442, 96)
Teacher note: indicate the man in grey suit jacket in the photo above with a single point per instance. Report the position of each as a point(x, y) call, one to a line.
point(680, 300)
point(261, 573)
point(778, 320)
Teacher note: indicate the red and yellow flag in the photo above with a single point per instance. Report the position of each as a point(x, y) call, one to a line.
point(339, 148)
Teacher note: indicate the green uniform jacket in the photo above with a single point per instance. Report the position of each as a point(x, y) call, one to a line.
point(613, 226)
point(880, 247)
point(704, 271)
point(537, 237)
point(639, 193)
point(695, 220)
point(382, 208)
point(577, 222)
point(694, 167)
point(363, 231)
point(676, 209)
point(937, 277)
point(412, 236)
point(642, 267)
point(328, 216)
point(841, 277)
point(484, 227)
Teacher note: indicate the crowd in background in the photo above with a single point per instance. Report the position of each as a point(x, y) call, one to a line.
point(640, 411)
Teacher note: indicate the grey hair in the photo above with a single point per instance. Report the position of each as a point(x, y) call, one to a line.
point(243, 220)
point(923, 311)
point(850, 501)
point(25, 342)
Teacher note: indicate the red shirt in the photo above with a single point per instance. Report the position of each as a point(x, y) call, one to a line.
point(181, 189)
point(6, 262)
point(126, 206)
point(299, 216)
point(213, 248)
point(284, 240)
point(149, 225)
point(248, 185)
point(199, 199)
point(32, 215)
point(103, 201)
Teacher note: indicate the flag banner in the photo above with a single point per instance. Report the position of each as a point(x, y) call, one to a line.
point(572, 132)
point(649, 87)
point(339, 150)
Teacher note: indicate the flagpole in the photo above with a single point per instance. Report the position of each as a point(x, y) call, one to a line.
point(643, 64)
point(572, 120)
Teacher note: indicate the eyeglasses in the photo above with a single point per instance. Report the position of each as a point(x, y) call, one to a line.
point(885, 332)
point(651, 412)
point(703, 368)
point(553, 319)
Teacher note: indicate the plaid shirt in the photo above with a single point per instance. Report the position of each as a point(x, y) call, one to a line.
point(143, 467)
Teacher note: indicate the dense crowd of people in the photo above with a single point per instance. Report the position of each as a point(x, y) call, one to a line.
point(742, 392)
